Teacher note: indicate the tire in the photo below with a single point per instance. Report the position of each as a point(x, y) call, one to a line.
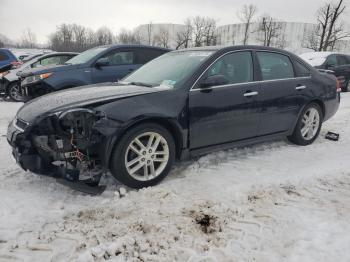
point(315, 124)
point(125, 152)
point(13, 92)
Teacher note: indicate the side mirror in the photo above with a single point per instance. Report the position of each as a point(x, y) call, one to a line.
point(102, 62)
point(215, 80)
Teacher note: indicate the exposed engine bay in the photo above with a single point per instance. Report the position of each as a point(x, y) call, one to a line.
point(65, 145)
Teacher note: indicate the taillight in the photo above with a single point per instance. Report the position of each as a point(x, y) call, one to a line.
point(338, 85)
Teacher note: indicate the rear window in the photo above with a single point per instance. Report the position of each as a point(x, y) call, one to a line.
point(275, 66)
point(3, 56)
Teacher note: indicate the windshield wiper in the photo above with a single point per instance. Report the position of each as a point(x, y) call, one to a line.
point(140, 84)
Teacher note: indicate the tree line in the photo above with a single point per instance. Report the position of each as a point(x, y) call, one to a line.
point(199, 31)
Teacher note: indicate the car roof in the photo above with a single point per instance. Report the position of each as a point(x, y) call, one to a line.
point(236, 47)
point(58, 53)
point(135, 46)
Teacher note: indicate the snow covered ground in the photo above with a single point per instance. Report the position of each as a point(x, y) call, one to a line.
point(269, 202)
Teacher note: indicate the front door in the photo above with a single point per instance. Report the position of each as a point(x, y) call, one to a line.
point(225, 113)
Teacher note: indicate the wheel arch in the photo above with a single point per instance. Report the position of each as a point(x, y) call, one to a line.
point(317, 101)
point(168, 124)
point(320, 103)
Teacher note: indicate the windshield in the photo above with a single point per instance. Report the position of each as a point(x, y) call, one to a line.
point(170, 69)
point(86, 56)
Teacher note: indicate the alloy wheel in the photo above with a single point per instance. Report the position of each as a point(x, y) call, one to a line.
point(15, 93)
point(147, 156)
point(310, 124)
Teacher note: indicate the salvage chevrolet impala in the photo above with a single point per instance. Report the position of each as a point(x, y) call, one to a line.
point(182, 104)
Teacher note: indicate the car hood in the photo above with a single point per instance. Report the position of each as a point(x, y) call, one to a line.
point(80, 97)
point(47, 69)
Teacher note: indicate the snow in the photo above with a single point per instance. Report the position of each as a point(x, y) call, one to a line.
point(316, 58)
point(269, 202)
point(28, 52)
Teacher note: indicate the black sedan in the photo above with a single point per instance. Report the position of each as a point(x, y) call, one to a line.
point(182, 104)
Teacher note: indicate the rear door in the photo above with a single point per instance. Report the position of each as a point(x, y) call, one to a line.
point(226, 113)
point(279, 93)
point(121, 63)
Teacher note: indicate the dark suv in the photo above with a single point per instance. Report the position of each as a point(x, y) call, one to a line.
point(339, 64)
point(97, 65)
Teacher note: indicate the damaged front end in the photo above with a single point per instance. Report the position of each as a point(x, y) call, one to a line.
point(65, 145)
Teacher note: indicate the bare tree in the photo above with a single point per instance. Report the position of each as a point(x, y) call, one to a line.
point(128, 37)
point(162, 38)
point(79, 37)
point(246, 15)
point(184, 37)
point(198, 30)
point(204, 31)
point(104, 36)
point(210, 36)
point(28, 39)
point(269, 30)
point(150, 33)
point(329, 29)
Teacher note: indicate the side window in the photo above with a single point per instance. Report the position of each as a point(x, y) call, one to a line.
point(236, 67)
point(53, 60)
point(3, 56)
point(146, 55)
point(302, 71)
point(65, 58)
point(331, 61)
point(116, 58)
point(342, 60)
point(275, 66)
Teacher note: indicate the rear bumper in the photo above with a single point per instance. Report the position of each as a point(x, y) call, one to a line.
point(331, 107)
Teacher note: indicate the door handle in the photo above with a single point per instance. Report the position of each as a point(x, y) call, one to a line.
point(300, 87)
point(250, 94)
point(131, 70)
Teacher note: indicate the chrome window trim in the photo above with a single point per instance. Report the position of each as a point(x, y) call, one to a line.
point(249, 83)
point(244, 83)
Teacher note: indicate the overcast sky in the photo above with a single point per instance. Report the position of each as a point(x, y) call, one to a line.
point(42, 16)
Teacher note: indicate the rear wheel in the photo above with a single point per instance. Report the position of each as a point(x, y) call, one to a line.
point(144, 156)
point(309, 126)
point(14, 92)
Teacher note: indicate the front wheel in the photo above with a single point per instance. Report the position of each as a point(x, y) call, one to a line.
point(143, 156)
point(309, 126)
point(14, 92)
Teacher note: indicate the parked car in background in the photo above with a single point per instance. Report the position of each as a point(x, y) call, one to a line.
point(335, 62)
point(7, 57)
point(101, 64)
point(10, 81)
point(182, 104)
